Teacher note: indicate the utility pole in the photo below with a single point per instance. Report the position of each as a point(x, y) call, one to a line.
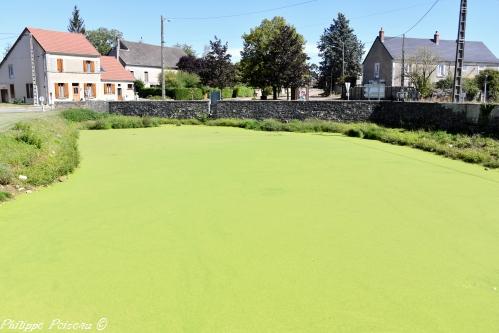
point(461, 34)
point(343, 67)
point(163, 95)
point(402, 84)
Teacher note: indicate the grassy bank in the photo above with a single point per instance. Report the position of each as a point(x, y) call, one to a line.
point(37, 152)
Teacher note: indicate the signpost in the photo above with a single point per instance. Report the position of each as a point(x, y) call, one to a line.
point(347, 86)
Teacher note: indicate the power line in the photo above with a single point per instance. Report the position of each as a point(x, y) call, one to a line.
point(418, 21)
point(244, 14)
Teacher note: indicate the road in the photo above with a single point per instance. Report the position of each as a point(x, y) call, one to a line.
point(11, 114)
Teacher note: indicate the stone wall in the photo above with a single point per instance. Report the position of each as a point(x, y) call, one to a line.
point(164, 109)
point(347, 111)
point(99, 106)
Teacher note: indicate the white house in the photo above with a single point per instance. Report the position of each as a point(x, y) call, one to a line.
point(60, 66)
point(144, 60)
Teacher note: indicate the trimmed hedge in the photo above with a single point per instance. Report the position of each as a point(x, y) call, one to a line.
point(187, 94)
point(227, 93)
point(243, 91)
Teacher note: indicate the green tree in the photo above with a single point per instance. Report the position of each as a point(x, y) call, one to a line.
point(420, 70)
point(103, 39)
point(218, 70)
point(188, 49)
point(273, 56)
point(76, 23)
point(339, 35)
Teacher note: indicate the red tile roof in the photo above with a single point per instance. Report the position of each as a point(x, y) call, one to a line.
point(112, 70)
point(63, 42)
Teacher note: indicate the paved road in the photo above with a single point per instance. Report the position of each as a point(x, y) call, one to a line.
point(11, 114)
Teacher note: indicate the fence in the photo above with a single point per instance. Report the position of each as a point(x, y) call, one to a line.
point(380, 92)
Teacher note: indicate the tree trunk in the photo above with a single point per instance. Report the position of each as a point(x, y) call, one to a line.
point(274, 93)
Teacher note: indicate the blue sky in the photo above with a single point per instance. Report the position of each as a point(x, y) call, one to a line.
point(140, 19)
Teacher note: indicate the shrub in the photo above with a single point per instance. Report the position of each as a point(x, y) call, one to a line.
point(227, 93)
point(243, 91)
point(27, 135)
point(187, 94)
point(181, 79)
point(471, 88)
point(355, 132)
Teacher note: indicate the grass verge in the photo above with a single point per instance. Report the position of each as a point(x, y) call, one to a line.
point(38, 152)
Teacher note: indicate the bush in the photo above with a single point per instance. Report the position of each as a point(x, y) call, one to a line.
point(355, 132)
point(181, 79)
point(227, 93)
point(147, 92)
point(471, 89)
point(243, 91)
point(6, 174)
point(27, 135)
point(187, 94)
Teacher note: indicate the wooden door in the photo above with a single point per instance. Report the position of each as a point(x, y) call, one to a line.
point(76, 93)
point(120, 94)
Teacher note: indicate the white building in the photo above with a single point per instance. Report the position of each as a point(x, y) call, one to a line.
point(144, 60)
point(60, 66)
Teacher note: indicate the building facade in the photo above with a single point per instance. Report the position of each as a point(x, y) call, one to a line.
point(383, 63)
point(49, 66)
point(144, 60)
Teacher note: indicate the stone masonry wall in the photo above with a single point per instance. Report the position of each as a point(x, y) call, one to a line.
point(164, 109)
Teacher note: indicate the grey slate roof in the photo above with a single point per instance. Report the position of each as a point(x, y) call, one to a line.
point(142, 54)
point(474, 52)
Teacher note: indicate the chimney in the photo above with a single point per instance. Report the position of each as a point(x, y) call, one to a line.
point(118, 47)
point(382, 35)
point(436, 38)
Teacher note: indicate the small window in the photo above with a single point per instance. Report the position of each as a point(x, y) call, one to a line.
point(11, 71)
point(89, 90)
point(12, 91)
point(29, 90)
point(60, 90)
point(441, 70)
point(146, 77)
point(130, 86)
point(376, 70)
point(108, 89)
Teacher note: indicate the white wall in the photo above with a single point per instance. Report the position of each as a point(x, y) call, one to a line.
point(128, 94)
point(154, 74)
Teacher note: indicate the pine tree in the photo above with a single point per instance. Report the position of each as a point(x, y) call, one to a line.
point(76, 23)
point(331, 51)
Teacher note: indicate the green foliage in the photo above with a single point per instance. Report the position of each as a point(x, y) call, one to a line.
point(188, 49)
point(471, 89)
point(218, 70)
point(243, 91)
point(42, 149)
point(76, 23)
point(227, 93)
point(331, 52)
point(187, 94)
point(79, 115)
point(4, 196)
point(181, 79)
point(447, 83)
point(103, 39)
point(273, 55)
point(492, 83)
point(139, 85)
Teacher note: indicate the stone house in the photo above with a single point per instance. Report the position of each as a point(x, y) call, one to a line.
point(60, 66)
point(144, 60)
point(383, 63)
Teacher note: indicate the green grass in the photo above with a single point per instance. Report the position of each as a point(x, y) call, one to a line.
point(213, 229)
point(41, 149)
point(4, 196)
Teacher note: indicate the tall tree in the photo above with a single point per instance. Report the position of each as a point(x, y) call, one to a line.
point(331, 44)
point(218, 69)
point(103, 39)
point(273, 56)
point(76, 23)
point(191, 64)
point(188, 49)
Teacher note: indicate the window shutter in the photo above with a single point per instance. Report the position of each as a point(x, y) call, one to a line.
point(56, 89)
point(84, 67)
point(66, 90)
point(94, 90)
point(60, 66)
point(105, 88)
point(113, 89)
point(92, 67)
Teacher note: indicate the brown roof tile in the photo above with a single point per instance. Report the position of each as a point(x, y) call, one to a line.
point(63, 42)
point(112, 70)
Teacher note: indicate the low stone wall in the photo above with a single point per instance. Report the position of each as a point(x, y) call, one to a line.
point(99, 106)
point(164, 109)
point(347, 111)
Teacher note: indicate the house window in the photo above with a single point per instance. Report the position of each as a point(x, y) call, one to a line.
point(12, 91)
point(89, 90)
point(60, 90)
point(130, 86)
point(132, 72)
point(29, 90)
point(11, 72)
point(60, 65)
point(441, 70)
point(108, 89)
point(146, 77)
point(376, 70)
point(88, 66)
